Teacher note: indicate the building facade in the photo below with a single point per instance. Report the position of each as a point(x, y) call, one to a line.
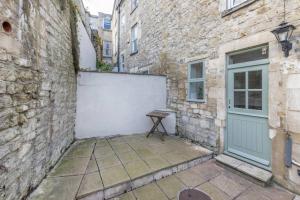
point(228, 79)
point(102, 24)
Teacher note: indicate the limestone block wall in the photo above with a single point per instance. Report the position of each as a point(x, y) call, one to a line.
point(174, 33)
point(37, 92)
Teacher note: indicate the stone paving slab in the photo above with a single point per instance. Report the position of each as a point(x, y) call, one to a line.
point(137, 169)
point(62, 188)
point(126, 157)
point(108, 162)
point(156, 163)
point(190, 178)
point(229, 185)
point(213, 192)
point(114, 175)
point(70, 167)
point(170, 186)
point(150, 192)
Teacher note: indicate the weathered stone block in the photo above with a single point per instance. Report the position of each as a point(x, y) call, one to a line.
point(293, 121)
point(2, 87)
point(5, 101)
point(291, 96)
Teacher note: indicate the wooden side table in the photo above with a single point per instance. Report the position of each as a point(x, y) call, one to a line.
point(157, 117)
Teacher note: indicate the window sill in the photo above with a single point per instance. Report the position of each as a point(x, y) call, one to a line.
point(133, 53)
point(196, 100)
point(238, 7)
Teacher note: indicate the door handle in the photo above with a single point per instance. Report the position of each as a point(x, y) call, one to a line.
point(229, 103)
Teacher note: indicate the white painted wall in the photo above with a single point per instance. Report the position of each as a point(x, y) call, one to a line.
point(87, 58)
point(117, 104)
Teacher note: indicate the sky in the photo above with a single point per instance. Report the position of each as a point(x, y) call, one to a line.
point(95, 6)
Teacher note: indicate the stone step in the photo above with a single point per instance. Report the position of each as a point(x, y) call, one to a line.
point(251, 172)
point(129, 185)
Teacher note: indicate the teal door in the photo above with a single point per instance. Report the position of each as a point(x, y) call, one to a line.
point(247, 124)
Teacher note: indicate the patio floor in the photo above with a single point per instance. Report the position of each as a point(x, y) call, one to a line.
point(98, 168)
point(215, 181)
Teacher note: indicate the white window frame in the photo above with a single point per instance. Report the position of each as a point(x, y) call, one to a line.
point(134, 39)
point(230, 3)
point(134, 4)
point(196, 80)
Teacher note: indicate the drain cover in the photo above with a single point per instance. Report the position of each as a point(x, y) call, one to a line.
point(193, 194)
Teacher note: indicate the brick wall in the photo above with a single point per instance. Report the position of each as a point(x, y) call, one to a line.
point(37, 92)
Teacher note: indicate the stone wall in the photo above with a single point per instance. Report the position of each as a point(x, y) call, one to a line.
point(174, 33)
point(37, 92)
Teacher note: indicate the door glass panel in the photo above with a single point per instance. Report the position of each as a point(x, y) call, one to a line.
point(197, 70)
point(240, 99)
point(255, 79)
point(197, 90)
point(240, 80)
point(252, 55)
point(255, 100)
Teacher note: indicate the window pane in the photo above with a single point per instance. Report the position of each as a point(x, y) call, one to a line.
point(196, 70)
point(255, 79)
point(107, 48)
point(252, 55)
point(134, 41)
point(237, 2)
point(107, 23)
point(134, 46)
point(240, 80)
point(240, 99)
point(255, 100)
point(196, 91)
point(134, 33)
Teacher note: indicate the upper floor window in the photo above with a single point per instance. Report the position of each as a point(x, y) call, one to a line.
point(116, 43)
point(196, 81)
point(134, 39)
point(134, 4)
point(122, 62)
point(123, 21)
point(233, 3)
point(107, 23)
point(107, 51)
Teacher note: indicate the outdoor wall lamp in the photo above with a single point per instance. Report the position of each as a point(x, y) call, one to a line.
point(283, 34)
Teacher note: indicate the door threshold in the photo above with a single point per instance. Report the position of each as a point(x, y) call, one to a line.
point(255, 174)
point(251, 162)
